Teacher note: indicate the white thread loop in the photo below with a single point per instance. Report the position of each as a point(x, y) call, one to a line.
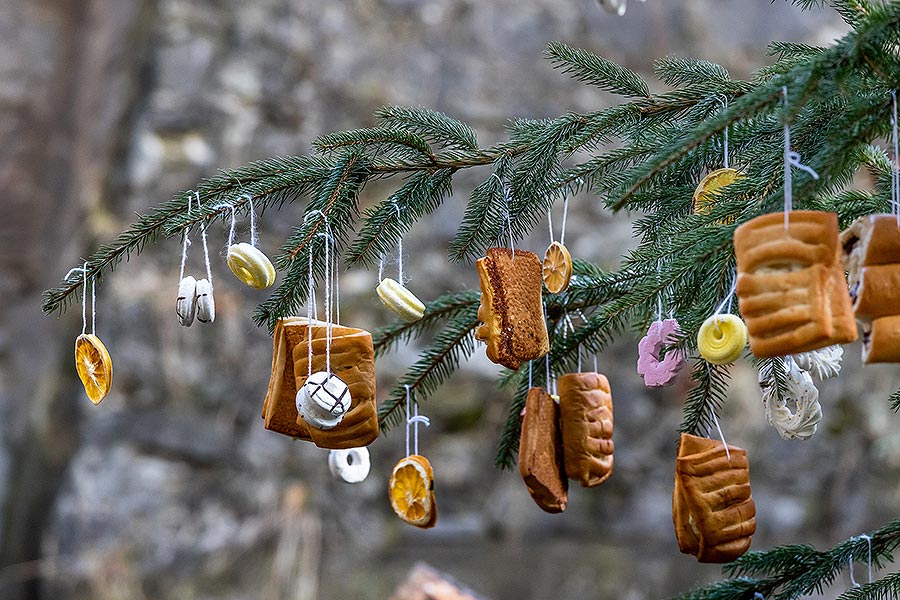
point(203, 225)
point(550, 223)
point(186, 242)
point(562, 234)
point(869, 563)
point(721, 435)
point(84, 291)
point(728, 299)
point(399, 246)
point(414, 420)
point(380, 267)
point(852, 578)
point(791, 159)
point(254, 236)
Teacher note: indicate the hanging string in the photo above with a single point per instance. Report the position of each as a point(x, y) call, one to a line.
point(721, 435)
point(203, 225)
point(869, 563)
point(84, 304)
point(399, 247)
point(852, 578)
point(895, 165)
point(550, 224)
point(547, 371)
point(725, 140)
point(310, 302)
point(311, 309)
point(530, 365)
point(328, 298)
point(413, 420)
point(562, 234)
point(233, 220)
point(728, 298)
point(254, 236)
point(791, 159)
point(380, 267)
point(185, 243)
point(660, 293)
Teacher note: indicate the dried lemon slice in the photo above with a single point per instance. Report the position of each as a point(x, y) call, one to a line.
point(411, 491)
point(557, 269)
point(250, 265)
point(94, 366)
point(709, 188)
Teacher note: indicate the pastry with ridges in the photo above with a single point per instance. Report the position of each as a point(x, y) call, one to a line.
point(541, 452)
point(586, 425)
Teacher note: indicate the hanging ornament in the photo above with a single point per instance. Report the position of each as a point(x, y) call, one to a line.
point(556, 269)
point(92, 360)
point(722, 338)
point(801, 392)
point(511, 310)
point(708, 190)
point(186, 303)
point(616, 7)
point(823, 363)
point(397, 298)
point(656, 372)
point(322, 400)
point(195, 298)
point(206, 303)
point(586, 427)
point(871, 255)
point(246, 261)
point(351, 465)
point(411, 487)
point(541, 462)
point(712, 508)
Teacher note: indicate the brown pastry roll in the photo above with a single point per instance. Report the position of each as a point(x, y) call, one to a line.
point(881, 340)
point(791, 286)
point(870, 240)
point(877, 293)
point(279, 408)
point(712, 509)
point(511, 310)
point(586, 424)
point(353, 360)
point(541, 452)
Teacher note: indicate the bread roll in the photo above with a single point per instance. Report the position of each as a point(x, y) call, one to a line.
point(541, 452)
point(877, 294)
point(586, 424)
point(881, 340)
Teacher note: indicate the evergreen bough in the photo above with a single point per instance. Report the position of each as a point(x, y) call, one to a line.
point(839, 108)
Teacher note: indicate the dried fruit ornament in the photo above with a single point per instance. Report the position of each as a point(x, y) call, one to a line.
point(92, 361)
point(411, 487)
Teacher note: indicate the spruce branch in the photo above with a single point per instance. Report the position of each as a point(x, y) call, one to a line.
point(446, 308)
point(677, 71)
point(434, 126)
point(376, 136)
point(596, 70)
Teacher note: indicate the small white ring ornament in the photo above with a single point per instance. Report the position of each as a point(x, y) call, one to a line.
point(323, 400)
point(186, 303)
point(351, 465)
point(206, 304)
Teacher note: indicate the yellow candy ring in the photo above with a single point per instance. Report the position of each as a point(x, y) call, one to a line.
point(721, 339)
point(251, 265)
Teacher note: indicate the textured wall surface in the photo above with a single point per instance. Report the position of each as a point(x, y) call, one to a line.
point(172, 488)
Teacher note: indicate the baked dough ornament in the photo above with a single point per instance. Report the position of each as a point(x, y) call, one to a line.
point(801, 392)
point(248, 263)
point(586, 427)
point(722, 338)
point(871, 255)
point(206, 303)
point(656, 371)
point(541, 462)
point(511, 310)
point(351, 465)
point(195, 297)
point(791, 285)
point(322, 400)
point(709, 188)
point(399, 300)
point(712, 509)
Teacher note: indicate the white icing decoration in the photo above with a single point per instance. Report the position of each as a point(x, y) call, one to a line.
point(351, 465)
point(323, 399)
point(823, 363)
point(802, 392)
point(186, 303)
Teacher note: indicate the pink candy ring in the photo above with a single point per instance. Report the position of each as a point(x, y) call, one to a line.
point(659, 373)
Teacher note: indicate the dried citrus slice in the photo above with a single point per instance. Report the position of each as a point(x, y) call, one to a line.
point(94, 366)
point(710, 187)
point(412, 491)
point(557, 270)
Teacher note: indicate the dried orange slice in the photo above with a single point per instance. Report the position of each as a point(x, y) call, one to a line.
point(94, 366)
point(557, 270)
point(710, 187)
point(411, 491)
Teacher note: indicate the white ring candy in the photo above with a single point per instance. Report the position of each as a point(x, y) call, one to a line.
point(186, 303)
point(206, 304)
point(350, 465)
point(323, 399)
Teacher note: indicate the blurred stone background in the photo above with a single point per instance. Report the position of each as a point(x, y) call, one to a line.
point(172, 488)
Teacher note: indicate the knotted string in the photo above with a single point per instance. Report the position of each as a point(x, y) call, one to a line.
point(791, 159)
point(233, 220)
point(84, 270)
point(414, 421)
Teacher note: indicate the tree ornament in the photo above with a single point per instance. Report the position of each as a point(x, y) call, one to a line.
point(712, 508)
point(557, 268)
point(511, 310)
point(586, 427)
point(350, 465)
point(206, 303)
point(186, 303)
point(616, 7)
point(656, 372)
point(411, 490)
point(541, 462)
point(823, 363)
point(400, 300)
point(871, 255)
point(250, 265)
point(799, 390)
point(709, 188)
point(791, 284)
point(94, 366)
point(722, 338)
point(322, 400)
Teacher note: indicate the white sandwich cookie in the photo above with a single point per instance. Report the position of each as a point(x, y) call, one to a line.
point(351, 465)
point(323, 400)
point(400, 300)
point(206, 304)
point(186, 303)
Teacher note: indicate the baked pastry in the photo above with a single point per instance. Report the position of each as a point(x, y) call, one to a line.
point(881, 340)
point(877, 291)
point(586, 426)
point(721, 339)
point(656, 372)
point(541, 452)
point(791, 286)
point(353, 361)
point(870, 240)
point(712, 508)
point(512, 311)
point(279, 408)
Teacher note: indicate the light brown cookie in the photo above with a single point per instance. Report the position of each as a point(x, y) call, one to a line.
point(791, 286)
point(712, 509)
point(877, 293)
point(870, 240)
point(881, 340)
point(511, 307)
point(586, 424)
point(541, 453)
point(279, 408)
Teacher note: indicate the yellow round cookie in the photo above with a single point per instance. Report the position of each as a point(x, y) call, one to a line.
point(722, 338)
